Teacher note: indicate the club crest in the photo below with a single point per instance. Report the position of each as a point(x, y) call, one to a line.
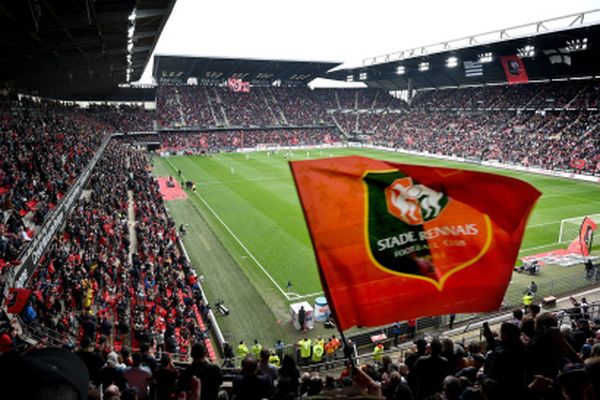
point(417, 231)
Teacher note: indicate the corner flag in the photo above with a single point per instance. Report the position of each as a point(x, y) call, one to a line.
point(397, 241)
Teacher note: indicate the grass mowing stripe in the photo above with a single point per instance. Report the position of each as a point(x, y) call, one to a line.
point(240, 180)
point(277, 210)
point(233, 235)
point(271, 237)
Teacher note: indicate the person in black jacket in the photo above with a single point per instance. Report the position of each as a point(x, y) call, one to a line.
point(210, 375)
point(166, 379)
point(506, 362)
point(250, 385)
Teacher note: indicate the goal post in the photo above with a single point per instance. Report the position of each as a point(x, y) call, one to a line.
point(569, 228)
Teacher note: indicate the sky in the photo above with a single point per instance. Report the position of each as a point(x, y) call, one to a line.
point(340, 31)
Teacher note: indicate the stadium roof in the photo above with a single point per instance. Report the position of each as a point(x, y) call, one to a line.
point(69, 49)
point(571, 51)
point(178, 69)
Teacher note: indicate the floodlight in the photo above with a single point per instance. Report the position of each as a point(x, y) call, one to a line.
point(527, 51)
point(486, 57)
point(362, 76)
point(451, 62)
point(424, 66)
point(400, 70)
point(577, 45)
point(350, 78)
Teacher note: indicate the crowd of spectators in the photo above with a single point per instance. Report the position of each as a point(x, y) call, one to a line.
point(112, 289)
point(167, 103)
point(532, 356)
point(196, 107)
point(205, 142)
point(301, 106)
point(255, 108)
point(555, 140)
point(540, 95)
point(348, 122)
point(124, 118)
point(200, 106)
point(44, 147)
point(521, 124)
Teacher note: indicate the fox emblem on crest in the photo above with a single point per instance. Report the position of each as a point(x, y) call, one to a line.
point(413, 204)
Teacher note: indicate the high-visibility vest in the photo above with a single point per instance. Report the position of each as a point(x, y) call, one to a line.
point(274, 359)
point(242, 350)
point(329, 347)
point(321, 342)
point(317, 354)
point(256, 349)
point(305, 348)
point(527, 300)
point(336, 344)
point(377, 353)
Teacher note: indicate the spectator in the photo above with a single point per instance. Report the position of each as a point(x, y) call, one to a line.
point(112, 372)
point(429, 372)
point(92, 360)
point(250, 385)
point(139, 377)
point(210, 375)
point(166, 379)
point(265, 367)
point(506, 363)
point(290, 373)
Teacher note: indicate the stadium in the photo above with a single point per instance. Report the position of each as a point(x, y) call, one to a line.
point(194, 237)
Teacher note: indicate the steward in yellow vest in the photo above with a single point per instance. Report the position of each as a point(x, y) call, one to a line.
point(242, 349)
point(256, 348)
point(377, 352)
point(274, 359)
point(305, 349)
point(317, 353)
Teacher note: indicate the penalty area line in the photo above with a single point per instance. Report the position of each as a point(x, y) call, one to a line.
point(234, 236)
point(538, 247)
point(304, 296)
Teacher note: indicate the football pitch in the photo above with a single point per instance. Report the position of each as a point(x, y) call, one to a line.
point(248, 238)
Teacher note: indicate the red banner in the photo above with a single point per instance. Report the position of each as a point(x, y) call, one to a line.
point(397, 241)
point(514, 69)
point(583, 243)
point(238, 85)
point(578, 163)
point(17, 300)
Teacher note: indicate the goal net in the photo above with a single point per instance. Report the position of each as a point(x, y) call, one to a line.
point(570, 227)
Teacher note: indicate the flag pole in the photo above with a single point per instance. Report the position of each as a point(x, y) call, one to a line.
point(347, 349)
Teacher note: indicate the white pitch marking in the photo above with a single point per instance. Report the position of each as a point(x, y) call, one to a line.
point(544, 224)
point(538, 247)
point(306, 296)
point(225, 181)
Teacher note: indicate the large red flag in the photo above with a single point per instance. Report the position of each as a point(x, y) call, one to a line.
point(396, 241)
point(514, 69)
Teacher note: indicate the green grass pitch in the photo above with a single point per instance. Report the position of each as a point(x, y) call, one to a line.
point(248, 237)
